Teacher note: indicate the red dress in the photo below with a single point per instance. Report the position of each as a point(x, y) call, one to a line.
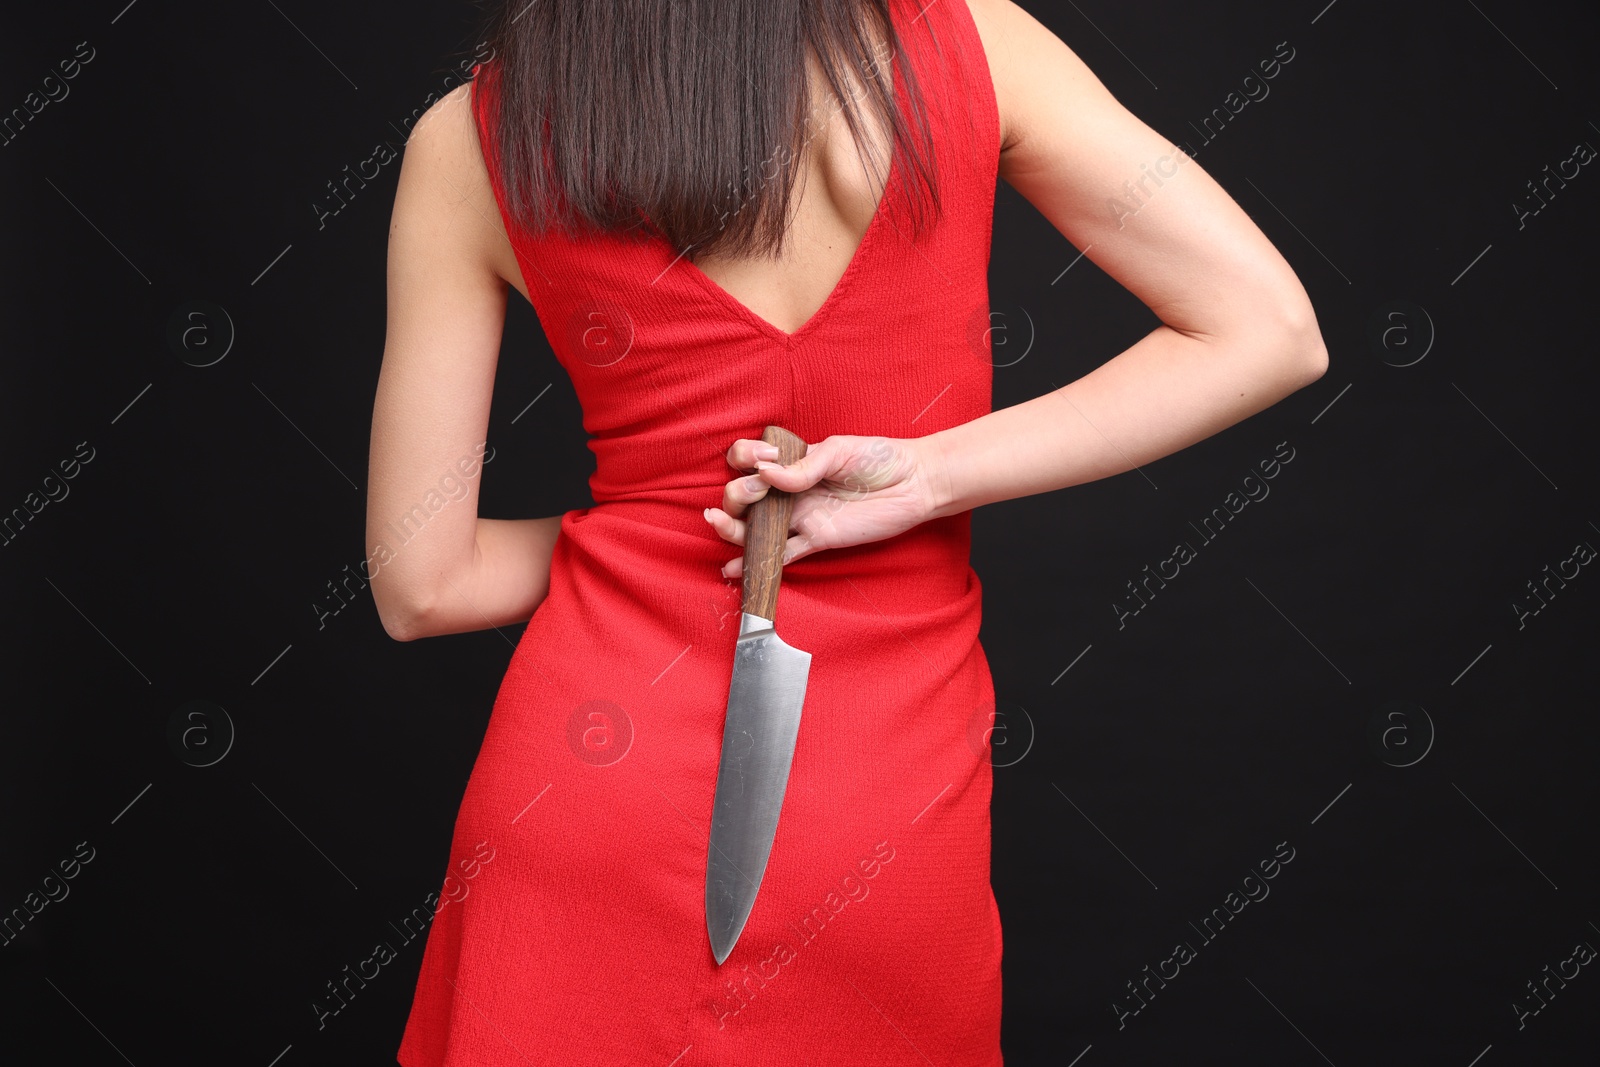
point(572, 926)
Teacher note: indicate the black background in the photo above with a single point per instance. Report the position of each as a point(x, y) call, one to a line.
point(1437, 469)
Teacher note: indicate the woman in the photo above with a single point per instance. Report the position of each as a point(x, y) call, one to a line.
point(861, 141)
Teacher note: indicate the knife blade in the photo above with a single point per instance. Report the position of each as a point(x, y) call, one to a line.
point(765, 696)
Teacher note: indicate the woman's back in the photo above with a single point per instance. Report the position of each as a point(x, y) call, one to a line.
point(860, 310)
point(835, 200)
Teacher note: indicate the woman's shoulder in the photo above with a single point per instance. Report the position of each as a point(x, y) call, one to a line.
point(1040, 83)
point(447, 165)
point(998, 23)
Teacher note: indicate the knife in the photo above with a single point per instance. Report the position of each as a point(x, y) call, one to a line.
point(763, 719)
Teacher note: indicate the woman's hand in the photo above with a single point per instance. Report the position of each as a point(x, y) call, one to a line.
point(848, 490)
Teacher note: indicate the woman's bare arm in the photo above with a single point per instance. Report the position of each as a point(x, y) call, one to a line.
point(1238, 332)
point(446, 570)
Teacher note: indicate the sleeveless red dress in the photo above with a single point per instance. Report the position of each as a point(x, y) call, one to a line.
point(571, 927)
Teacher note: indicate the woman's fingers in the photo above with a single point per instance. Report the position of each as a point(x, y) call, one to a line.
point(847, 490)
point(727, 527)
point(739, 494)
point(744, 453)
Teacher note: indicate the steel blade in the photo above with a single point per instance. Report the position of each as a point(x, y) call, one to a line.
point(763, 720)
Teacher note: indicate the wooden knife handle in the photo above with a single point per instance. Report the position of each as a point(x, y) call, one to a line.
point(767, 531)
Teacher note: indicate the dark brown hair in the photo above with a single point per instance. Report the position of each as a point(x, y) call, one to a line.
point(686, 117)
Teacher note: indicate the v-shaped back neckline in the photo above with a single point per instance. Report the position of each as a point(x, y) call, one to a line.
point(835, 295)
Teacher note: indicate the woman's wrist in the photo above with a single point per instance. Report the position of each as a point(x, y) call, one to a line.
point(942, 499)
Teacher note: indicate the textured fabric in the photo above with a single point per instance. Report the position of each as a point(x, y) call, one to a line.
point(875, 938)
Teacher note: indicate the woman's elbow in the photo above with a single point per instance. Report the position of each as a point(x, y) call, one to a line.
point(1305, 349)
point(402, 627)
point(1314, 352)
point(1285, 348)
point(403, 619)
